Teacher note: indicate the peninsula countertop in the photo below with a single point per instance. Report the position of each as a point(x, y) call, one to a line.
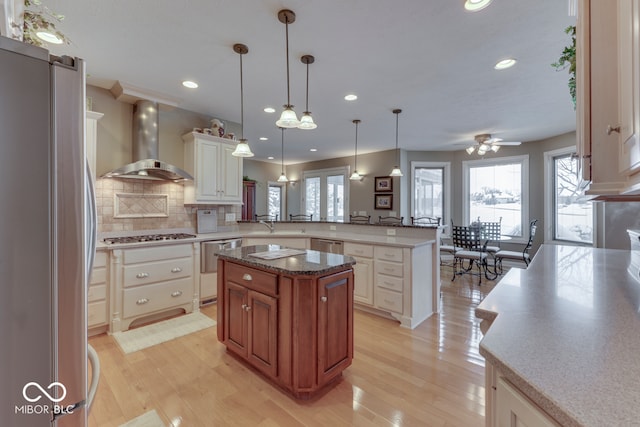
point(307, 262)
point(566, 332)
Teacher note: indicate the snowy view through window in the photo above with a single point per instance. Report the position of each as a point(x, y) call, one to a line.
point(573, 212)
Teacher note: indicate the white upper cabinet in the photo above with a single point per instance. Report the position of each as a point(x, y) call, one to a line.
point(217, 173)
point(91, 137)
point(607, 83)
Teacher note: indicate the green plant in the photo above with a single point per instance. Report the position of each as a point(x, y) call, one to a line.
point(568, 60)
point(38, 17)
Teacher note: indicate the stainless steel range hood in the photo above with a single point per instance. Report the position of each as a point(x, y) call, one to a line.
point(145, 149)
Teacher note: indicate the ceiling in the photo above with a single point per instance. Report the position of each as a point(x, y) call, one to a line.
point(434, 60)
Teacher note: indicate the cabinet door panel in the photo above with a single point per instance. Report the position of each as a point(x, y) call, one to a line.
point(263, 329)
point(231, 174)
point(207, 155)
point(236, 318)
point(363, 280)
point(335, 324)
point(515, 410)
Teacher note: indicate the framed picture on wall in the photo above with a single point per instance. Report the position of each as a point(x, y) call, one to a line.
point(383, 201)
point(383, 184)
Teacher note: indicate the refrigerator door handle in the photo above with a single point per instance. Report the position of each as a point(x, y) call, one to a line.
point(92, 234)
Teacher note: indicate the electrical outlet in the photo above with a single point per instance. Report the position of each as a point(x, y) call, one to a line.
point(391, 232)
point(229, 217)
point(332, 227)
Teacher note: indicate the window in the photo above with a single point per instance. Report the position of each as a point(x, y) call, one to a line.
point(569, 212)
point(431, 189)
point(497, 190)
point(275, 200)
point(324, 194)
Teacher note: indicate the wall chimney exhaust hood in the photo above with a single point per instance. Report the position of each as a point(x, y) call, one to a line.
point(145, 147)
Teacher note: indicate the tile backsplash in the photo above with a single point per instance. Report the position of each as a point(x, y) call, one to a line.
point(150, 205)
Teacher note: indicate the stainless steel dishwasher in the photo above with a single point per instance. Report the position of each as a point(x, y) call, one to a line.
point(209, 266)
point(327, 245)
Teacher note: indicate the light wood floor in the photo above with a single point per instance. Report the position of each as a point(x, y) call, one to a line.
point(430, 376)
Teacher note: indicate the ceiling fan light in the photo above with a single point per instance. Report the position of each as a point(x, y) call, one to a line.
point(495, 148)
point(288, 118)
point(306, 121)
point(471, 149)
point(396, 171)
point(242, 149)
point(355, 176)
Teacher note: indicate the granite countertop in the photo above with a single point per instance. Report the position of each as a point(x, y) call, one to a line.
point(308, 263)
point(566, 332)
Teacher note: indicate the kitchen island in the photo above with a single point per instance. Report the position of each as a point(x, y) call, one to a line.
point(562, 340)
point(288, 314)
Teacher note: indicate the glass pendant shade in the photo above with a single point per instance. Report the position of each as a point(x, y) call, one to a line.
point(283, 178)
point(495, 148)
point(242, 149)
point(306, 121)
point(288, 118)
point(355, 176)
point(396, 171)
point(471, 149)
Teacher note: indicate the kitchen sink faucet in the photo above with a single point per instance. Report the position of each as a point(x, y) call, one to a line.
point(270, 225)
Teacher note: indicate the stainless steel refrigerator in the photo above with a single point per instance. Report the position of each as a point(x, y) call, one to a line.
point(46, 238)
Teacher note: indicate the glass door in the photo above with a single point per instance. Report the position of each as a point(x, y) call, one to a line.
point(325, 194)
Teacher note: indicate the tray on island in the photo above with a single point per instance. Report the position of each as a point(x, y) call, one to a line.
point(278, 253)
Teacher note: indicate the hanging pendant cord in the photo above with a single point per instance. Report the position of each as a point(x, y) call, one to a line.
point(287, 37)
point(307, 106)
point(397, 153)
point(241, 102)
point(355, 161)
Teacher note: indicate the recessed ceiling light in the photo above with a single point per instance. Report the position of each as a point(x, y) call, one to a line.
point(264, 138)
point(505, 63)
point(189, 84)
point(270, 157)
point(351, 97)
point(313, 149)
point(48, 37)
point(269, 110)
point(476, 5)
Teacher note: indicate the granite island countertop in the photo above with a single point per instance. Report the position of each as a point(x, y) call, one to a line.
point(309, 262)
point(566, 332)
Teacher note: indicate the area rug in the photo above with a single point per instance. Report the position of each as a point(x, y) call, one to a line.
point(156, 333)
point(148, 419)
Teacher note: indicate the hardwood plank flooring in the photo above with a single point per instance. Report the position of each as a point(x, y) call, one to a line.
point(430, 376)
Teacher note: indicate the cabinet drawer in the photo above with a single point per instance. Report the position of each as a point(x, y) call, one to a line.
point(252, 278)
point(388, 300)
point(389, 282)
point(98, 275)
point(156, 253)
point(356, 249)
point(97, 313)
point(151, 272)
point(388, 253)
point(150, 298)
point(389, 268)
point(96, 293)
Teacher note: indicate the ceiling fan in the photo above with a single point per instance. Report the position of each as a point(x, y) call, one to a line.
point(485, 143)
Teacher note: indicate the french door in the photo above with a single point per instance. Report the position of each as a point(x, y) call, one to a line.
point(325, 194)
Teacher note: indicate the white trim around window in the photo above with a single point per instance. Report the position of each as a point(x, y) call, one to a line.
point(446, 189)
point(524, 197)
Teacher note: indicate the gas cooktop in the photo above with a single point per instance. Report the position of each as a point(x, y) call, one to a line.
point(148, 238)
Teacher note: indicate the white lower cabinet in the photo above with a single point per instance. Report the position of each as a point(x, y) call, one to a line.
point(509, 407)
point(98, 295)
point(362, 271)
point(390, 277)
point(152, 281)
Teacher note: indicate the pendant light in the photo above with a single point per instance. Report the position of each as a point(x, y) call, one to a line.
point(396, 169)
point(355, 176)
point(288, 118)
point(242, 149)
point(306, 121)
point(283, 177)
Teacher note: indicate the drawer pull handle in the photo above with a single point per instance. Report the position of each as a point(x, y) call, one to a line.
point(611, 129)
point(323, 299)
point(247, 307)
point(244, 306)
point(142, 301)
point(389, 302)
point(176, 293)
point(388, 269)
point(176, 270)
point(142, 275)
point(247, 276)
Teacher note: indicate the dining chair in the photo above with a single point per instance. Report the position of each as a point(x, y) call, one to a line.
point(517, 255)
point(266, 217)
point(468, 240)
point(390, 220)
point(425, 220)
point(491, 232)
point(300, 217)
point(360, 219)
